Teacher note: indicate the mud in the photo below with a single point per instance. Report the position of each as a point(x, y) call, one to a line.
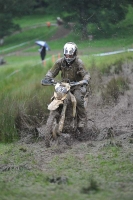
point(116, 118)
point(105, 121)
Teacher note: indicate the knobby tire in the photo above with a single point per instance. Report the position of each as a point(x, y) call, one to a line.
point(49, 127)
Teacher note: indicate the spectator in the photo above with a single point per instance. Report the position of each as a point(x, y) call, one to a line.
point(43, 48)
point(2, 61)
point(59, 21)
point(48, 24)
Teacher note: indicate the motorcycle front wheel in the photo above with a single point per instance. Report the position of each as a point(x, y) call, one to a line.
point(51, 126)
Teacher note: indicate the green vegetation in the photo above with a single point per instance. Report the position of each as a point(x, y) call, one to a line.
point(27, 38)
point(34, 20)
point(101, 15)
point(114, 88)
point(77, 174)
point(29, 171)
point(20, 77)
point(20, 87)
point(120, 38)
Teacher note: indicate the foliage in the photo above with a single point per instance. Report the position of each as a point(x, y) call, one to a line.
point(27, 171)
point(29, 21)
point(20, 88)
point(114, 88)
point(8, 10)
point(7, 26)
point(101, 13)
point(113, 68)
point(21, 96)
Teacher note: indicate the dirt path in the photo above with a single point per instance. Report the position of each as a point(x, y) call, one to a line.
point(61, 32)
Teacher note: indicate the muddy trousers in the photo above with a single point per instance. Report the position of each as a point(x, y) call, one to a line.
point(81, 112)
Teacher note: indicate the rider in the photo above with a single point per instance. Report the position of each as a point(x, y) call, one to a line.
point(72, 68)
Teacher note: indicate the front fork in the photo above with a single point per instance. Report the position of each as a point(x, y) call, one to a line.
point(63, 114)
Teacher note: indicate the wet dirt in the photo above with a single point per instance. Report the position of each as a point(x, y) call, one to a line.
point(115, 118)
point(106, 123)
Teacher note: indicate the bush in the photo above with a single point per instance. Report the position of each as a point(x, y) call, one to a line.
point(96, 78)
point(114, 68)
point(114, 88)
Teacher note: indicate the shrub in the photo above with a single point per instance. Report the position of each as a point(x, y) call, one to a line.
point(96, 78)
point(114, 88)
point(114, 68)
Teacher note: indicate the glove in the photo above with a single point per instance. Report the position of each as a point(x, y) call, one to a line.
point(84, 82)
point(47, 81)
point(83, 89)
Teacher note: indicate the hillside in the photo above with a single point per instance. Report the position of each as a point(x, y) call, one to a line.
point(97, 165)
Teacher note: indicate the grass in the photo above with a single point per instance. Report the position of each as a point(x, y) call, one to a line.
point(18, 93)
point(20, 87)
point(26, 39)
point(122, 39)
point(28, 21)
point(29, 171)
point(114, 88)
point(71, 175)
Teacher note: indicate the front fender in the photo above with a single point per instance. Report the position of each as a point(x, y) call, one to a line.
point(54, 104)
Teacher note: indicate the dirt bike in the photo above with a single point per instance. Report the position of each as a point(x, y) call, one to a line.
point(63, 116)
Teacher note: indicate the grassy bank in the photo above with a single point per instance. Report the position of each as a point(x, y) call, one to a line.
point(21, 92)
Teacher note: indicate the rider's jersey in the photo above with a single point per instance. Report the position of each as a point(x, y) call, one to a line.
point(74, 72)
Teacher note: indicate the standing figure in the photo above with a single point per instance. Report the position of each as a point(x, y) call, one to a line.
point(43, 48)
point(59, 21)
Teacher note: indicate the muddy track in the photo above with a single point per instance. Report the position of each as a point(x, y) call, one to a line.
point(61, 32)
point(105, 122)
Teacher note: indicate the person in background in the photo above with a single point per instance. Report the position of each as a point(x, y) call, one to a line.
point(59, 21)
point(43, 48)
point(72, 69)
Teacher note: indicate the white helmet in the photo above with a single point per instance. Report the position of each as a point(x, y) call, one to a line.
point(70, 48)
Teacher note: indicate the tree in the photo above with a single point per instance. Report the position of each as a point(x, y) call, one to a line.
point(10, 9)
point(90, 11)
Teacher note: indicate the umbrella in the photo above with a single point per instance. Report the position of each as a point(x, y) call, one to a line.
point(41, 43)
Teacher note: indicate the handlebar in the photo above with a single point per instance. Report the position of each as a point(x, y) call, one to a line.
point(83, 82)
point(48, 82)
